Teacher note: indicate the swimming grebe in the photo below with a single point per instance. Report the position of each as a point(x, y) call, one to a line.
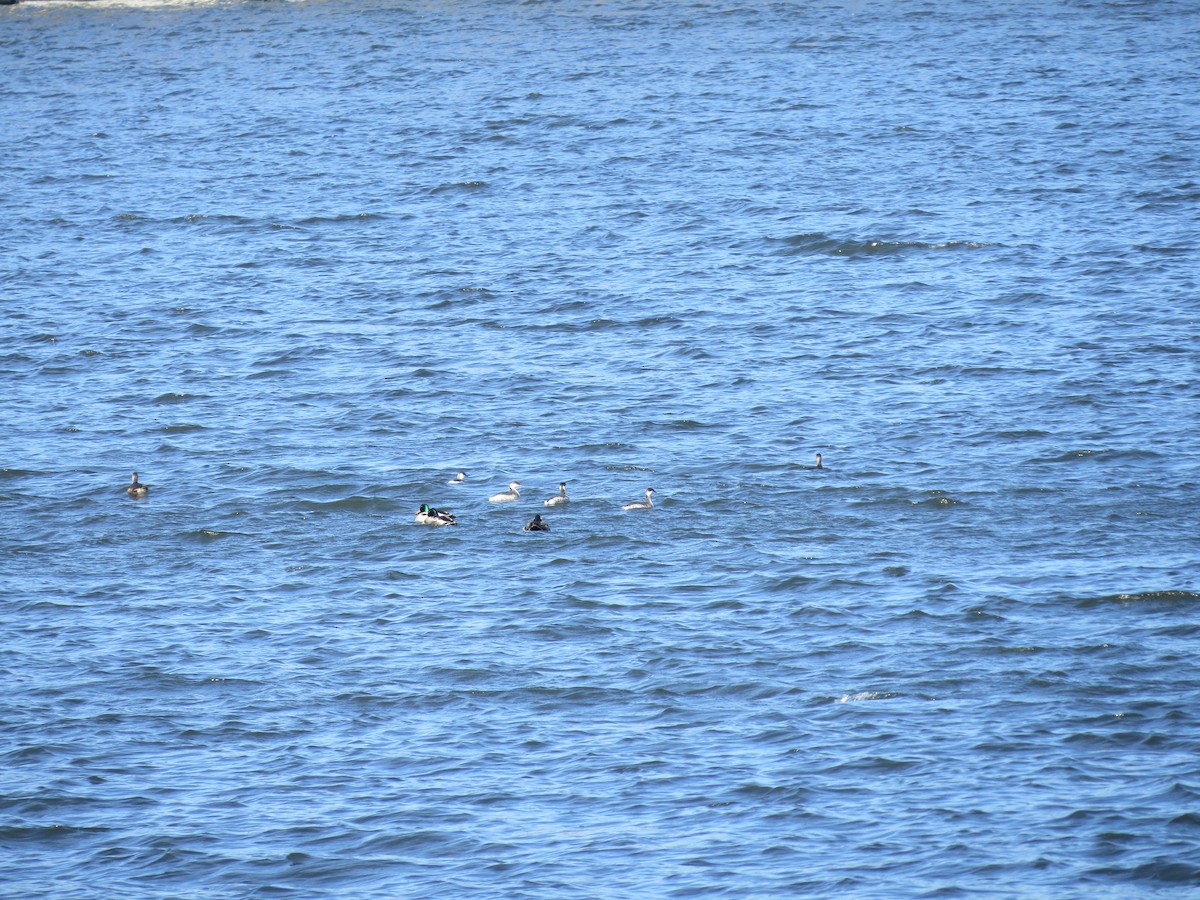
point(427, 515)
point(818, 465)
point(561, 498)
point(638, 504)
point(537, 524)
point(458, 479)
point(506, 496)
point(136, 488)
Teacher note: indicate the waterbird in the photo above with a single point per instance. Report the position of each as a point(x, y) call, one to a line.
point(506, 496)
point(136, 488)
point(818, 465)
point(458, 479)
point(639, 504)
point(536, 524)
point(561, 498)
point(427, 515)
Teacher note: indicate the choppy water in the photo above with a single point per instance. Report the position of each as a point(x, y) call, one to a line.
point(298, 263)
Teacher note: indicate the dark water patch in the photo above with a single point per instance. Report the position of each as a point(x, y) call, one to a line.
point(211, 219)
point(463, 187)
point(14, 474)
point(48, 835)
point(461, 296)
point(343, 219)
point(904, 499)
point(172, 397)
point(822, 244)
point(1161, 871)
point(790, 584)
point(211, 534)
point(1180, 631)
point(1092, 455)
point(877, 765)
point(1164, 251)
point(938, 500)
point(1170, 599)
point(1022, 434)
point(272, 373)
point(203, 328)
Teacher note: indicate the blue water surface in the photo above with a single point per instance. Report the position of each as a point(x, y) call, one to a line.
point(298, 263)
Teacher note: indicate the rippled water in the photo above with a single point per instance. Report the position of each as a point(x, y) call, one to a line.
point(298, 263)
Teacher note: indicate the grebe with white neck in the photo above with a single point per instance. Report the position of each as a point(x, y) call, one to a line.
point(561, 499)
point(639, 504)
point(506, 496)
point(458, 479)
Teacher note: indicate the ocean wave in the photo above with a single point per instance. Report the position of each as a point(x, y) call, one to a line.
point(172, 397)
point(1101, 455)
point(464, 187)
point(866, 696)
point(1167, 598)
point(210, 534)
point(821, 244)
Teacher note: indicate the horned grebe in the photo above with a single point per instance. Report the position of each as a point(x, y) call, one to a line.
point(136, 488)
point(506, 496)
point(638, 504)
point(458, 479)
point(561, 498)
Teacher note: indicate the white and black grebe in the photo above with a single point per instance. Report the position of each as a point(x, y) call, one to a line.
point(640, 504)
point(506, 496)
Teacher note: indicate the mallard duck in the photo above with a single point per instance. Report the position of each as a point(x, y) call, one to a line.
point(561, 498)
point(537, 524)
point(506, 496)
point(136, 488)
point(427, 515)
point(639, 504)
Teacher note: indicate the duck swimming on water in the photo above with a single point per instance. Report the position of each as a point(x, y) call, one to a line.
point(561, 499)
point(639, 504)
point(427, 515)
point(506, 496)
point(537, 524)
point(136, 488)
